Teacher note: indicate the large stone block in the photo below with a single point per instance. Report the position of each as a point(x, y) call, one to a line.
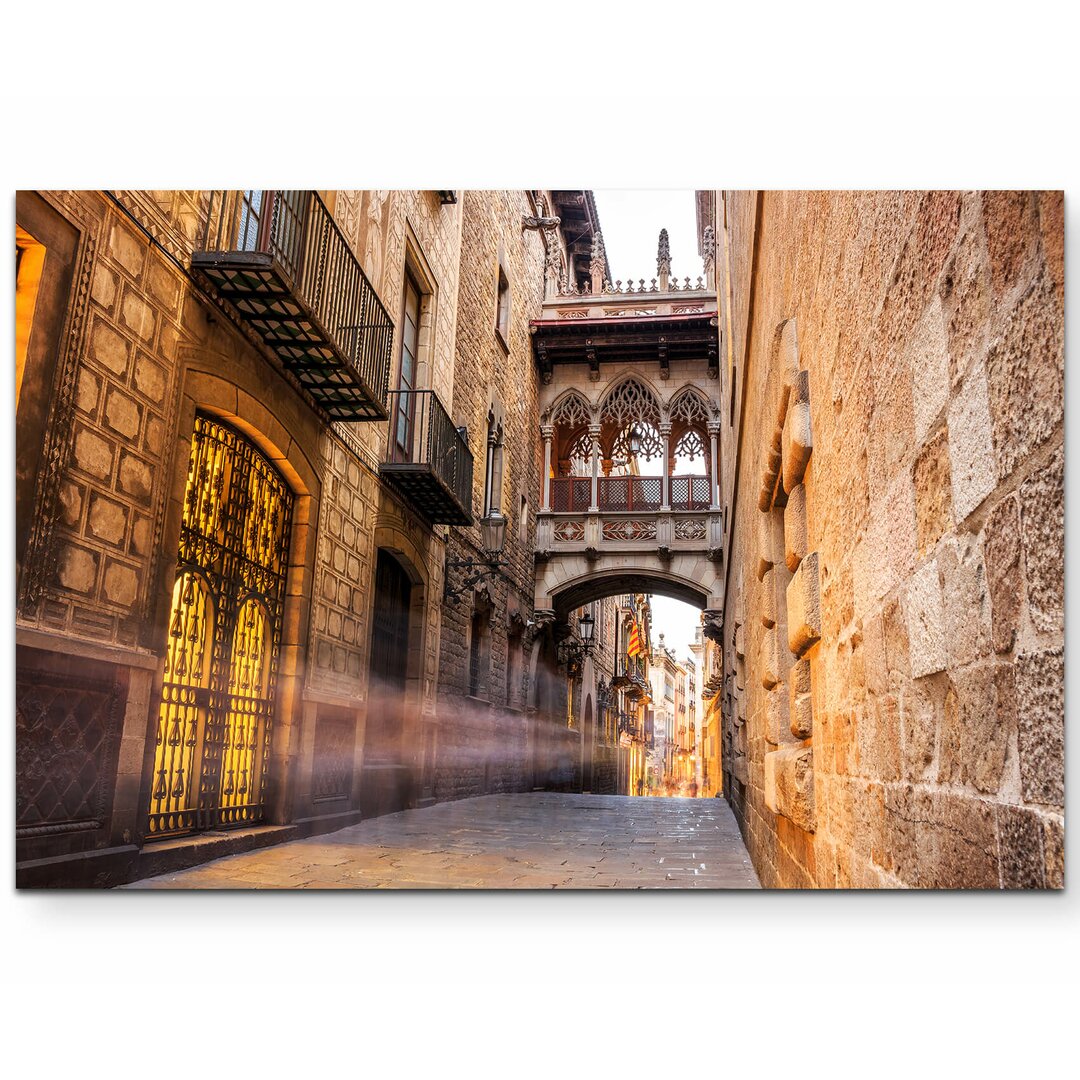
point(93, 454)
point(933, 492)
point(926, 621)
point(1020, 846)
point(795, 528)
point(775, 659)
point(1026, 373)
point(804, 606)
point(965, 288)
point(109, 348)
point(957, 842)
point(136, 477)
point(801, 707)
point(138, 316)
point(127, 249)
point(77, 569)
point(1054, 853)
point(777, 722)
point(121, 584)
point(929, 357)
point(798, 436)
point(107, 519)
point(793, 773)
point(768, 599)
point(967, 602)
point(919, 723)
point(122, 414)
point(1040, 704)
point(1011, 232)
point(1042, 511)
point(1004, 580)
point(971, 447)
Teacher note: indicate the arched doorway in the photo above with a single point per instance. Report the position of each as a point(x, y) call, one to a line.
point(385, 782)
point(225, 623)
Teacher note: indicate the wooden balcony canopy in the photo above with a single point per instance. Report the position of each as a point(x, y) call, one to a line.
point(639, 338)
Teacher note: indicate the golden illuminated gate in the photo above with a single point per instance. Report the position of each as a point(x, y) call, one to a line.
point(224, 636)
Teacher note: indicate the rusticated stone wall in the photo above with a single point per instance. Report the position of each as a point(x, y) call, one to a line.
point(894, 615)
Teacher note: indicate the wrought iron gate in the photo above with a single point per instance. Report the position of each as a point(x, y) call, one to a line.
point(216, 707)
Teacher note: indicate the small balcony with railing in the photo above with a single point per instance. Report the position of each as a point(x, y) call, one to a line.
point(428, 461)
point(282, 267)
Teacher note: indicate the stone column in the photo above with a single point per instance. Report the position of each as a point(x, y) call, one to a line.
point(594, 438)
point(714, 476)
point(665, 493)
point(546, 432)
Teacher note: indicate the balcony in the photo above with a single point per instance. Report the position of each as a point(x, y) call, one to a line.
point(428, 461)
point(283, 268)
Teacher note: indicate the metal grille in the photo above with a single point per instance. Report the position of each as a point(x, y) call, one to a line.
point(215, 715)
point(570, 494)
point(630, 492)
point(690, 493)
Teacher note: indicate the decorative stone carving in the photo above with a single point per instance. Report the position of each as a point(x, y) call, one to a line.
point(663, 257)
point(708, 255)
point(713, 625)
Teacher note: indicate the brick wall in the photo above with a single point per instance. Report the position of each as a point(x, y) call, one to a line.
point(893, 700)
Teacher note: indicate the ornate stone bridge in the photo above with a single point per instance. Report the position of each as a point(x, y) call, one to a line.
point(630, 420)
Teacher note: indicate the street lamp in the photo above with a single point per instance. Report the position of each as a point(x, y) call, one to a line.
point(492, 537)
point(586, 628)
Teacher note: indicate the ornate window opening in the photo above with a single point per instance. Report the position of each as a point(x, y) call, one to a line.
point(579, 454)
point(639, 441)
point(216, 710)
point(691, 446)
point(630, 401)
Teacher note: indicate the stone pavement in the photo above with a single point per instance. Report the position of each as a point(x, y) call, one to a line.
point(537, 840)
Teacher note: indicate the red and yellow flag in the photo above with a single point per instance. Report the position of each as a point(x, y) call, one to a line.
point(635, 647)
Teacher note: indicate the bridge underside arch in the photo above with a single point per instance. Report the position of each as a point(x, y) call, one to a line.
point(694, 584)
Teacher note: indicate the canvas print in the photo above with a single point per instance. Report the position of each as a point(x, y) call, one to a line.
point(539, 539)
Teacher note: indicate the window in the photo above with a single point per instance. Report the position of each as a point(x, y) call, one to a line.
point(46, 254)
point(502, 311)
point(407, 377)
point(523, 521)
point(29, 264)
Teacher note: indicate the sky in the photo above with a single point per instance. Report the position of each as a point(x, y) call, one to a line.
point(631, 222)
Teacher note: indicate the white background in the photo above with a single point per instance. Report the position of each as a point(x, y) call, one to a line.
point(479, 95)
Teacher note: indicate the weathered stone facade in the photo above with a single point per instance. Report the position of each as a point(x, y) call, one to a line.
point(893, 400)
point(131, 348)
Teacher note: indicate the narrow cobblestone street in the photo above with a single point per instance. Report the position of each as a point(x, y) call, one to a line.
point(523, 841)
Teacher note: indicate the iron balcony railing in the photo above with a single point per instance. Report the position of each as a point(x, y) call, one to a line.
point(427, 458)
point(290, 274)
